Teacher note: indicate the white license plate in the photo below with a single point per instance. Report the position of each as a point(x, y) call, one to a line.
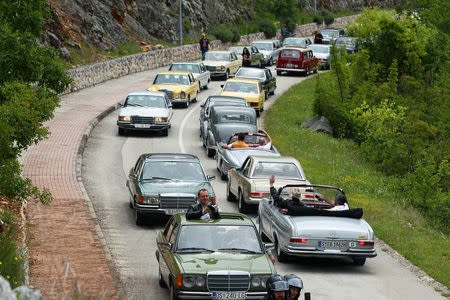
point(333, 244)
point(289, 65)
point(142, 125)
point(173, 211)
point(229, 295)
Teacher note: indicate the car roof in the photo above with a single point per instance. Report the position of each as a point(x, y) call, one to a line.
point(170, 156)
point(226, 98)
point(175, 72)
point(243, 80)
point(147, 93)
point(226, 219)
point(186, 63)
point(301, 49)
point(220, 51)
point(281, 159)
point(265, 41)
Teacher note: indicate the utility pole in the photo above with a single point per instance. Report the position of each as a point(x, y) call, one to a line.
point(181, 22)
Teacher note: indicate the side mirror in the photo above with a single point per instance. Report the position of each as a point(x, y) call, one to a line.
point(165, 245)
point(211, 177)
point(133, 176)
point(202, 105)
point(238, 169)
point(221, 86)
point(269, 246)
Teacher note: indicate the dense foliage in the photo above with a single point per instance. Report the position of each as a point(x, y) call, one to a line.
point(393, 99)
point(30, 80)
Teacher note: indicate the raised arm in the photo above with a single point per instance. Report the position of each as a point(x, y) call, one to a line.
point(269, 139)
point(280, 202)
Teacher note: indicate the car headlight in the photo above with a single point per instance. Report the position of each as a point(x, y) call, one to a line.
point(200, 281)
point(183, 94)
point(265, 56)
point(125, 118)
point(150, 200)
point(190, 281)
point(256, 282)
point(259, 281)
point(221, 68)
point(159, 120)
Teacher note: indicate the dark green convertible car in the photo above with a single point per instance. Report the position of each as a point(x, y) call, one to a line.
point(213, 259)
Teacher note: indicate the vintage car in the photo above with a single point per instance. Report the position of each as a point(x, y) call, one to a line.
point(257, 58)
point(292, 59)
point(297, 42)
point(227, 159)
point(218, 101)
point(213, 259)
point(249, 89)
point(269, 50)
point(180, 87)
point(350, 44)
point(264, 76)
point(322, 52)
point(196, 68)
point(166, 183)
point(145, 111)
point(222, 63)
point(224, 121)
point(249, 184)
point(318, 232)
point(331, 34)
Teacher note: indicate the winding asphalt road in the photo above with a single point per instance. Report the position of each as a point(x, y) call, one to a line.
point(107, 160)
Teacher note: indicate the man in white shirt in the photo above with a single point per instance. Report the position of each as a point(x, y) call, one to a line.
point(262, 142)
point(339, 202)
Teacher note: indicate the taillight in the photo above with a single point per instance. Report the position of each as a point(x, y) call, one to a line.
point(308, 196)
point(256, 194)
point(366, 243)
point(165, 119)
point(297, 240)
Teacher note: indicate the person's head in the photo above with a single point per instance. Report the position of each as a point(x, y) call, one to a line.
point(276, 287)
point(316, 32)
point(340, 199)
point(241, 136)
point(261, 141)
point(203, 35)
point(296, 193)
point(245, 50)
point(203, 196)
point(295, 285)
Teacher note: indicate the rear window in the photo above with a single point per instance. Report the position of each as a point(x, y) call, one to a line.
point(290, 53)
point(234, 117)
point(185, 67)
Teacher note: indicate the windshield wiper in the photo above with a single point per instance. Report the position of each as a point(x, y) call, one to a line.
point(138, 105)
point(157, 178)
point(240, 250)
point(194, 249)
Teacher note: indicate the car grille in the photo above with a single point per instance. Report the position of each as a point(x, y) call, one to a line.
point(169, 93)
point(177, 201)
point(142, 120)
point(228, 281)
point(211, 68)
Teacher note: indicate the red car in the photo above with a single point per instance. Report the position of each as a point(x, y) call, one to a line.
point(293, 59)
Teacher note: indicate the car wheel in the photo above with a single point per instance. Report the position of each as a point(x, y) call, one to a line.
point(121, 131)
point(223, 176)
point(278, 73)
point(359, 261)
point(230, 196)
point(243, 207)
point(130, 204)
point(266, 95)
point(165, 132)
point(210, 152)
point(172, 295)
point(186, 105)
point(281, 256)
point(227, 74)
point(272, 92)
point(139, 219)
point(161, 280)
point(316, 70)
point(258, 113)
point(263, 236)
point(307, 72)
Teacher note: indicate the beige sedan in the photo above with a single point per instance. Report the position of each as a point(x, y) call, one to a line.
point(250, 183)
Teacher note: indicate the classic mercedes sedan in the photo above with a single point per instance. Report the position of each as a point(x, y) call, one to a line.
point(222, 63)
point(166, 183)
point(213, 259)
point(249, 89)
point(316, 231)
point(145, 111)
point(249, 184)
point(196, 68)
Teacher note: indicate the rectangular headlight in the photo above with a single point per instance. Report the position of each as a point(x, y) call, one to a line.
point(150, 200)
point(125, 118)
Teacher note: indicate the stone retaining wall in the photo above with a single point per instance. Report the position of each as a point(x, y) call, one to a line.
point(91, 75)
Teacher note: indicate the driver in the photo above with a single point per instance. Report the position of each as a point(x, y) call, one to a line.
point(262, 142)
point(238, 144)
point(277, 288)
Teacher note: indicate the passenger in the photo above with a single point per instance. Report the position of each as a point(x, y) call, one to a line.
point(276, 288)
point(262, 142)
point(295, 286)
point(291, 204)
point(238, 144)
point(202, 210)
point(339, 202)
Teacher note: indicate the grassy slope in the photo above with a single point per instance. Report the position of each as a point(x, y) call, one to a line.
point(326, 160)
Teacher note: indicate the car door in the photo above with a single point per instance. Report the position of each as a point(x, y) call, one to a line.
point(194, 86)
point(235, 62)
point(204, 117)
point(205, 75)
point(167, 263)
point(235, 179)
point(133, 178)
point(271, 81)
point(169, 106)
point(256, 58)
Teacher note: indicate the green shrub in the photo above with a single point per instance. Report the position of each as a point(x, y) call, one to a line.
point(268, 27)
point(318, 19)
point(328, 17)
point(236, 34)
point(223, 33)
point(186, 25)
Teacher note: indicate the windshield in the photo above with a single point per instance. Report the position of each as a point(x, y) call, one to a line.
point(348, 42)
point(294, 42)
point(171, 79)
point(319, 49)
point(333, 33)
point(263, 46)
point(173, 170)
point(254, 73)
point(146, 101)
point(211, 56)
point(267, 169)
point(223, 237)
point(193, 68)
point(237, 49)
point(241, 87)
point(290, 53)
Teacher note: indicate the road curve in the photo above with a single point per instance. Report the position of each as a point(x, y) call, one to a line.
point(108, 158)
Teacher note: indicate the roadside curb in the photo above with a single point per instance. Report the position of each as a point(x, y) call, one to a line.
point(79, 160)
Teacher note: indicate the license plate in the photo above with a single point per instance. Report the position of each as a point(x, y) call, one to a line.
point(229, 295)
point(173, 211)
point(142, 125)
point(289, 65)
point(332, 244)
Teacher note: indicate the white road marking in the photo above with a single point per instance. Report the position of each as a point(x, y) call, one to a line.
point(181, 129)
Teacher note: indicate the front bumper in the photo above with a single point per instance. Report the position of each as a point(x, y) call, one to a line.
point(149, 209)
point(290, 70)
point(313, 252)
point(209, 295)
point(132, 126)
point(179, 100)
point(217, 73)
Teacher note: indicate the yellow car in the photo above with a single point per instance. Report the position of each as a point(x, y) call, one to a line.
point(249, 89)
point(180, 87)
point(222, 63)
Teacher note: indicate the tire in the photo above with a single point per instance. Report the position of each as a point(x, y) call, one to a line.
point(279, 73)
point(307, 72)
point(230, 196)
point(359, 261)
point(227, 74)
point(186, 105)
point(258, 113)
point(210, 152)
point(243, 207)
point(165, 132)
point(260, 64)
point(121, 131)
point(281, 256)
point(316, 70)
point(172, 295)
point(139, 219)
point(161, 280)
point(266, 96)
point(263, 236)
point(223, 176)
point(272, 92)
